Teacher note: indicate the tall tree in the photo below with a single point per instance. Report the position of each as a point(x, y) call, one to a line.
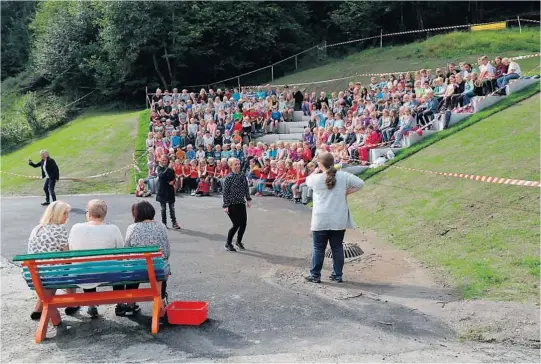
point(15, 45)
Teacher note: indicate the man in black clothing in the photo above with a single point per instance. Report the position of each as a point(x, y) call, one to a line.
point(166, 191)
point(298, 96)
point(49, 171)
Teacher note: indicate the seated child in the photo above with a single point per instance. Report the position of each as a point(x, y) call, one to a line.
point(141, 189)
point(255, 172)
point(301, 178)
point(179, 179)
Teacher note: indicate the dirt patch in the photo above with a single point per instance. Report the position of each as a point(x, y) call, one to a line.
point(388, 275)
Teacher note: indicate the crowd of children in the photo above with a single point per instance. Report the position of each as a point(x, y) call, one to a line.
point(200, 132)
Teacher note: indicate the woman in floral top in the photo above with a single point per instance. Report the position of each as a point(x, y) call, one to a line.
point(51, 235)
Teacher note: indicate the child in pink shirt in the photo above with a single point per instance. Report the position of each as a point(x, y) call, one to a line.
point(251, 149)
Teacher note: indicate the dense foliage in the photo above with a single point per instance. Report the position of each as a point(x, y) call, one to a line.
point(120, 47)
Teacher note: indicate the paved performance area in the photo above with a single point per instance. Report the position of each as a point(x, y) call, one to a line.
point(260, 307)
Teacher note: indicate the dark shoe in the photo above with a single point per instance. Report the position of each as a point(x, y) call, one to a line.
point(240, 245)
point(176, 226)
point(92, 311)
point(334, 279)
point(35, 315)
point(312, 280)
point(120, 309)
point(46, 203)
point(71, 310)
point(230, 248)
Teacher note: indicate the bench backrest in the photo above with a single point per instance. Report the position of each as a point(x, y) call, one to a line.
point(100, 267)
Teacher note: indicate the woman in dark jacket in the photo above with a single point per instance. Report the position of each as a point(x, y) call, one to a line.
point(236, 197)
point(166, 191)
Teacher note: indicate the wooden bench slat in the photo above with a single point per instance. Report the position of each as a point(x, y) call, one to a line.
point(62, 270)
point(77, 272)
point(109, 284)
point(86, 253)
point(99, 263)
point(99, 278)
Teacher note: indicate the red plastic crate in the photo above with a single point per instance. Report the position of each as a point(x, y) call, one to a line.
point(187, 312)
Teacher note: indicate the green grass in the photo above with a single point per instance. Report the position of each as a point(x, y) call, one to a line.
point(484, 238)
point(140, 149)
point(94, 143)
point(435, 52)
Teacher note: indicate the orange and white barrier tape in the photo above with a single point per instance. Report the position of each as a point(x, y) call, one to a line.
point(382, 73)
point(487, 179)
point(132, 165)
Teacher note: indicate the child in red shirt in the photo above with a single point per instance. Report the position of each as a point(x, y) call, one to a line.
point(211, 172)
point(203, 180)
point(194, 174)
point(280, 175)
point(289, 179)
point(177, 167)
point(188, 183)
point(301, 178)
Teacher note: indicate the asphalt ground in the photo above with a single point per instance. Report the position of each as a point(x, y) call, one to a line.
point(260, 309)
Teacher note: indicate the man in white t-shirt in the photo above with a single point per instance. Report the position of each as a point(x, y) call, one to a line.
point(513, 72)
point(94, 234)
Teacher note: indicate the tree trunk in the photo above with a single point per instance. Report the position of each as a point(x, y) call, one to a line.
point(155, 61)
point(402, 27)
point(174, 76)
point(419, 12)
point(168, 64)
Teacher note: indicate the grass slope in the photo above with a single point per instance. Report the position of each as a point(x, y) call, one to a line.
point(485, 237)
point(94, 143)
point(140, 149)
point(435, 52)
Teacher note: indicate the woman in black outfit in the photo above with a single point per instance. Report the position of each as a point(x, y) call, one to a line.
point(236, 197)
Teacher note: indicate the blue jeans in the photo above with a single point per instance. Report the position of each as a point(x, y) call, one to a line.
point(504, 80)
point(399, 134)
point(467, 97)
point(319, 243)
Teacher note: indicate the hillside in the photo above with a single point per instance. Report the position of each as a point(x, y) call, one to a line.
point(434, 52)
point(483, 237)
point(94, 143)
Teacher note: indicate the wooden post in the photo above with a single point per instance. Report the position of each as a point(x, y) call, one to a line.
point(272, 73)
point(296, 66)
point(519, 27)
point(381, 39)
point(238, 81)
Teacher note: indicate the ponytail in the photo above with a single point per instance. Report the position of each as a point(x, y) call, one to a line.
point(330, 180)
point(326, 161)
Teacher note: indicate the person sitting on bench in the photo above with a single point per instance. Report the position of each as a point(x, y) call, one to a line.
point(95, 234)
point(51, 236)
point(145, 231)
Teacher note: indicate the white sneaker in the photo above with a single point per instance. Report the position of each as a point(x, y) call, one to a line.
point(193, 193)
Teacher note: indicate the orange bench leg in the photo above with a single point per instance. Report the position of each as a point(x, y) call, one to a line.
point(157, 311)
point(47, 314)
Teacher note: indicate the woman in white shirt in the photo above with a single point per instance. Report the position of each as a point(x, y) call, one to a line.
point(95, 234)
point(330, 214)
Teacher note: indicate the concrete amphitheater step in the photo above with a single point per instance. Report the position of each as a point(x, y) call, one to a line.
point(298, 115)
point(296, 130)
point(274, 138)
